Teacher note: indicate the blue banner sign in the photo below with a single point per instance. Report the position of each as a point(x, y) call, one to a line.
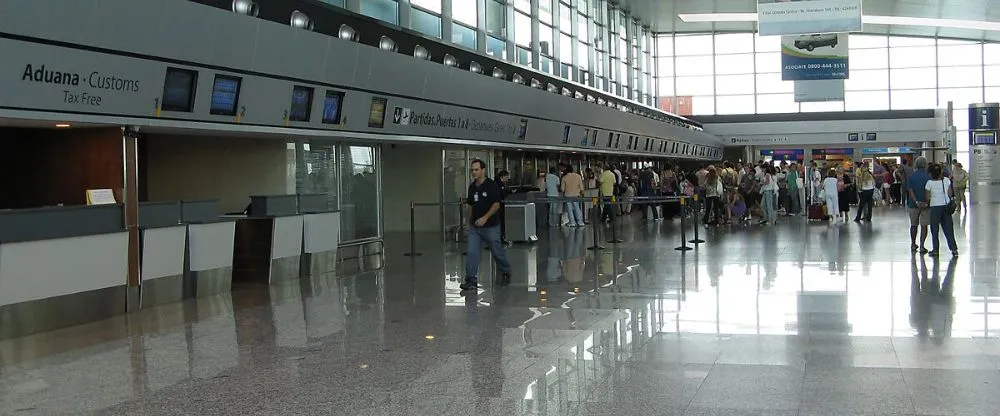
point(814, 57)
point(886, 150)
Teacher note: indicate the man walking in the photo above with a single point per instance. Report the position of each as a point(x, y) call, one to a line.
point(483, 203)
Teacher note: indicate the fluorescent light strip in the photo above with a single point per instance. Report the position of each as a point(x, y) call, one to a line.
point(869, 19)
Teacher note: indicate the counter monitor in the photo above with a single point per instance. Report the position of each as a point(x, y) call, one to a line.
point(302, 98)
point(225, 95)
point(178, 90)
point(332, 107)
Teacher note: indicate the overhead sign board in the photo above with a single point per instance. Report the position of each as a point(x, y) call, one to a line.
point(814, 57)
point(784, 17)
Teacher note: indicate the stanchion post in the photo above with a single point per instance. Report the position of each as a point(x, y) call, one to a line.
point(696, 240)
point(683, 246)
point(413, 235)
point(614, 222)
point(595, 218)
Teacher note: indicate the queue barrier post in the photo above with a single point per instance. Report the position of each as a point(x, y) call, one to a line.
point(413, 234)
point(683, 246)
point(615, 222)
point(595, 218)
point(696, 240)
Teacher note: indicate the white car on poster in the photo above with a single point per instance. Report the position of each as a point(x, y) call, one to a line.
point(811, 42)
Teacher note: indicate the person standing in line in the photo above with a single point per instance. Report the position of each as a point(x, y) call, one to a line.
point(482, 205)
point(831, 187)
point(794, 204)
point(916, 193)
point(572, 186)
point(552, 192)
point(937, 197)
point(961, 178)
point(866, 184)
point(646, 188)
point(769, 196)
point(607, 183)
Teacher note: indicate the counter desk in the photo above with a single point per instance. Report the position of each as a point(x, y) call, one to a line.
point(61, 266)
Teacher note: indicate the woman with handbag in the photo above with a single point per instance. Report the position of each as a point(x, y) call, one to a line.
point(942, 207)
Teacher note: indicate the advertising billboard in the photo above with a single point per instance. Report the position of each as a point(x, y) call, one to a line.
point(798, 17)
point(814, 57)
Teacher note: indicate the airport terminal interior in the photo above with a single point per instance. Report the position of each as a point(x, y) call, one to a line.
point(510, 207)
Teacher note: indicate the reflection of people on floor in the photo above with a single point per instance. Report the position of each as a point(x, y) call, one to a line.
point(932, 303)
point(573, 259)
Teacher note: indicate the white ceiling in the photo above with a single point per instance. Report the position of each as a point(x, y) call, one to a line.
point(661, 15)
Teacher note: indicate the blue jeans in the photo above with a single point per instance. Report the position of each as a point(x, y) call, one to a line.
point(768, 201)
point(942, 221)
point(476, 236)
point(574, 213)
point(555, 215)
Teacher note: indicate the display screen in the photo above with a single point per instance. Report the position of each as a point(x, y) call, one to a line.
point(178, 90)
point(565, 139)
point(586, 137)
point(593, 137)
point(332, 107)
point(302, 98)
point(225, 95)
point(522, 131)
point(376, 114)
point(984, 137)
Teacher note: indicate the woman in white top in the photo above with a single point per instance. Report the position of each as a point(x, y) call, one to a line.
point(769, 196)
point(938, 194)
point(866, 183)
point(830, 188)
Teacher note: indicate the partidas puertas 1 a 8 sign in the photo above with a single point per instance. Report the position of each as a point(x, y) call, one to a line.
point(93, 79)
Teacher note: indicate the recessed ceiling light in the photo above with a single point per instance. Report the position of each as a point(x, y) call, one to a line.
point(62, 125)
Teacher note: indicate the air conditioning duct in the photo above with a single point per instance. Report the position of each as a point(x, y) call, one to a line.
point(498, 73)
point(535, 83)
point(552, 88)
point(475, 67)
point(517, 79)
point(566, 92)
point(348, 33)
point(246, 7)
point(386, 43)
point(450, 60)
point(421, 52)
point(301, 21)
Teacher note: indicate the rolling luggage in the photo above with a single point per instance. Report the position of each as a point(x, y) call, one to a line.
point(817, 212)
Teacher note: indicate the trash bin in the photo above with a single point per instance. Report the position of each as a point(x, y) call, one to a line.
point(520, 217)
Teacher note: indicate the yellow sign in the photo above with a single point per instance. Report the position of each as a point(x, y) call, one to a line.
point(100, 197)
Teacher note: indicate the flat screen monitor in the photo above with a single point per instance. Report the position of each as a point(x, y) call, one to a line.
point(984, 137)
point(225, 95)
point(333, 105)
point(302, 98)
point(178, 90)
point(522, 130)
point(593, 137)
point(376, 113)
point(565, 138)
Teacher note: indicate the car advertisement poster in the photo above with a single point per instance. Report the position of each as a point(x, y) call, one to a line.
point(814, 57)
point(798, 17)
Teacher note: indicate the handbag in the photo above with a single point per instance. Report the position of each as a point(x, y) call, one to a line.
point(951, 207)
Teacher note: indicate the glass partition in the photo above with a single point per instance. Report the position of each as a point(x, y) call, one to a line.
point(316, 170)
point(360, 189)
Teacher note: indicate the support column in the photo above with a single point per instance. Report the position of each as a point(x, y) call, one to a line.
point(130, 200)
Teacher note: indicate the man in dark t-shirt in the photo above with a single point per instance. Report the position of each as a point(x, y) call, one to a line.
point(483, 205)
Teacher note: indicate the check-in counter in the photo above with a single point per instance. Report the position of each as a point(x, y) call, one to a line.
point(210, 249)
point(320, 235)
point(163, 239)
point(61, 266)
point(268, 240)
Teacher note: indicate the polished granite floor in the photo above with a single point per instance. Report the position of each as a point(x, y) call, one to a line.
point(794, 319)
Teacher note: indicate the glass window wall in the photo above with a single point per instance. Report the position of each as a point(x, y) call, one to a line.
point(384, 10)
point(465, 12)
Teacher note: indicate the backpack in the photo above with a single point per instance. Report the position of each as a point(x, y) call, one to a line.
point(748, 184)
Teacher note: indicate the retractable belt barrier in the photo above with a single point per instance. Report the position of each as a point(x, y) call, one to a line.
point(413, 221)
point(595, 215)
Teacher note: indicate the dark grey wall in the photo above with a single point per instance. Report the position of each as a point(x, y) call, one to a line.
point(137, 40)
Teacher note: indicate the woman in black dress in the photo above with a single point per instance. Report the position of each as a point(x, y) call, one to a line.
point(845, 194)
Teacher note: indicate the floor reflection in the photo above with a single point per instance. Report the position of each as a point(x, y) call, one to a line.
point(577, 330)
